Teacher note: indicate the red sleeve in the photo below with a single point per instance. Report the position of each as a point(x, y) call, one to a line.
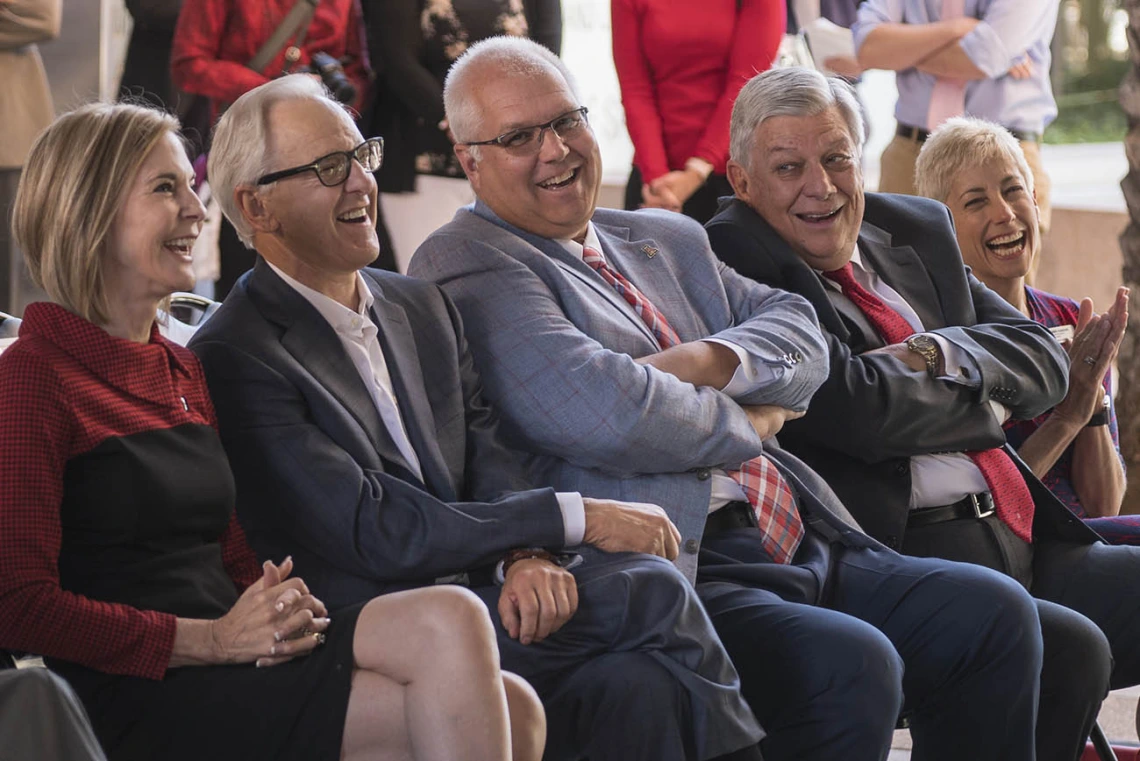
point(36, 426)
point(755, 41)
point(642, 116)
point(194, 62)
point(357, 69)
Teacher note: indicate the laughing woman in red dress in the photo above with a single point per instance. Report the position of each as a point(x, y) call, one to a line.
point(680, 65)
point(120, 558)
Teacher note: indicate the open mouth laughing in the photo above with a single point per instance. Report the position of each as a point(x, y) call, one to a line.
point(1008, 246)
point(561, 181)
point(354, 217)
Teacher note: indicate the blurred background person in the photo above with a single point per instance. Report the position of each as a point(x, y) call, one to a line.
point(680, 66)
point(215, 40)
point(146, 70)
point(413, 43)
point(25, 109)
point(124, 565)
point(978, 169)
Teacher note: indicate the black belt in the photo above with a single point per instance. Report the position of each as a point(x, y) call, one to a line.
point(919, 135)
point(973, 506)
point(733, 515)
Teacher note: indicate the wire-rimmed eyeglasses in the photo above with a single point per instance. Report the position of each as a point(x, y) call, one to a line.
point(526, 140)
point(333, 169)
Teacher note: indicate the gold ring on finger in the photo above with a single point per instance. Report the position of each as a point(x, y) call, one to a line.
point(318, 636)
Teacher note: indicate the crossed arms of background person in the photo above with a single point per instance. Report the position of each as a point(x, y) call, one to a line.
point(962, 48)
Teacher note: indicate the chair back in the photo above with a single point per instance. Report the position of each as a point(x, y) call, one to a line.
point(188, 311)
point(9, 325)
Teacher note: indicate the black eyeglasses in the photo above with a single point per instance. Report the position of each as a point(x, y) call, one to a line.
point(333, 169)
point(527, 140)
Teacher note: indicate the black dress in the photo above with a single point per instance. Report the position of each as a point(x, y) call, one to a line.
point(143, 522)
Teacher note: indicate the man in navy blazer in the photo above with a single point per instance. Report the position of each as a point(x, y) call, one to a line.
point(351, 412)
point(569, 309)
point(899, 424)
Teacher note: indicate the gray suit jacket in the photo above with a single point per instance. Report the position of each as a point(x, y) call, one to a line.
point(317, 474)
point(874, 413)
point(556, 346)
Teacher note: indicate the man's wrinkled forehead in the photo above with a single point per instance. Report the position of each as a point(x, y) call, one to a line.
point(299, 130)
point(505, 93)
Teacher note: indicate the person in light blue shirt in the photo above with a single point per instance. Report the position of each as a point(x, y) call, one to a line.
point(985, 58)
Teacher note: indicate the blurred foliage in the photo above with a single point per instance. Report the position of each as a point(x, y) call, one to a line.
point(1086, 95)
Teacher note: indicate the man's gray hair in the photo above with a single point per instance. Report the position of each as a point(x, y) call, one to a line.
point(962, 143)
point(790, 91)
point(239, 153)
point(513, 56)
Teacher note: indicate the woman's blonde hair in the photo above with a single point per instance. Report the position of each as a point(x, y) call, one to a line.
point(961, 143)
point(73, 184)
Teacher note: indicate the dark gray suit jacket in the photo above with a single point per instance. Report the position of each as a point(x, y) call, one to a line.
point(873, 413)
point(317, 474)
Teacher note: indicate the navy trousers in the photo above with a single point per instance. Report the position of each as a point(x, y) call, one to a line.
point(825, 664)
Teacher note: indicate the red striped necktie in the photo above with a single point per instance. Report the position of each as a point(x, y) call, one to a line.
point(1012, 500)
point(773, 504)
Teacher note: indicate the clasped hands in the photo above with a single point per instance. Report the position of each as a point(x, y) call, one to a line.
point(671, 190)
point(275, 620)
point(1092, 350)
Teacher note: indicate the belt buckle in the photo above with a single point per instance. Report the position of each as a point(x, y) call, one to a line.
point(977, 505)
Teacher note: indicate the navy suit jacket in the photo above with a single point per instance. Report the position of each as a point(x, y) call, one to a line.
point(873, 413)
point(317, 474)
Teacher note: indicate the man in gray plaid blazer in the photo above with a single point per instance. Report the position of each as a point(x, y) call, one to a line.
point(634, 365)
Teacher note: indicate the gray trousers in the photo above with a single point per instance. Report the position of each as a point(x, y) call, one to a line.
point(42, 720)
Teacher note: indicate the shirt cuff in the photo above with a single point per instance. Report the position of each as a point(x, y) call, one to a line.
point(749, 376)
point(986, 49)
point(959, 366)
point(1001, 412)
point(573, 516)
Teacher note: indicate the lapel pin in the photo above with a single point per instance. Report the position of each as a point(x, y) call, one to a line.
point(649, 250)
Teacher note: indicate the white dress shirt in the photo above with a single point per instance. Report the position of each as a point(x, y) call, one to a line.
point(358, 336)
point(752, 374)
point(935, 479)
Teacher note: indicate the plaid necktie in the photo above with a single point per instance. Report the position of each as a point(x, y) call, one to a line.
point(773, 504)
point(1012, 500)
point(648, 313)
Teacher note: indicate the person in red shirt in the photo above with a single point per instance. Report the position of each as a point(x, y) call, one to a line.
point(215, 39)
point(121, 561)
point(680, 66)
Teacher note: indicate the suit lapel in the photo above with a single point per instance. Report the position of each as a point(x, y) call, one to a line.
point(610, 237)
point(902, 270)
point(315, 346)
point(399, 347)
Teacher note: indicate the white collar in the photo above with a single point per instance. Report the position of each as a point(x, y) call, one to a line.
point(590, 241)
point(340, 317)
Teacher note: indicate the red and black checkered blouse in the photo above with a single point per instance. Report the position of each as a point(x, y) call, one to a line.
point(116, 500)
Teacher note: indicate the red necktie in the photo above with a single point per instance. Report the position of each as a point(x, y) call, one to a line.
point(773, 504)
point(1012, 500)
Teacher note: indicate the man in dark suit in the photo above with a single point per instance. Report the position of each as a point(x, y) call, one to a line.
point(633, 364)
point(351, 412)
point(926, 365)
